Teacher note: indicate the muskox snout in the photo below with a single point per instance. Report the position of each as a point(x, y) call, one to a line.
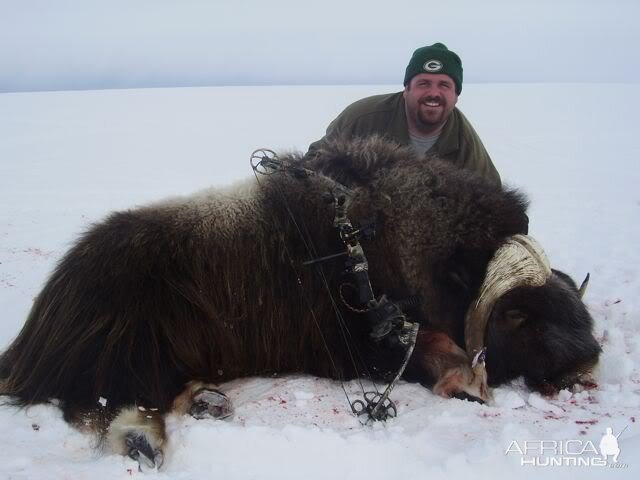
point(582, 377)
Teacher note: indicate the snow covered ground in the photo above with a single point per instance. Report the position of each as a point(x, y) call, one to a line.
point(68, 158)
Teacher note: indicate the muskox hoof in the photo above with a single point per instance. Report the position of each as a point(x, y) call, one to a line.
point(467, 397)
point(461, 383)
point(139, 448)
point(210, 403)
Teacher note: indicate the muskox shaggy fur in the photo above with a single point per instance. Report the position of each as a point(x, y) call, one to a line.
point(200, 290)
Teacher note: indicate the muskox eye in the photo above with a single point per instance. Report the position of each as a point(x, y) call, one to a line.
point(512, 319)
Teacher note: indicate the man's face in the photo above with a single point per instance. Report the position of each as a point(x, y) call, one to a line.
point(429, 99)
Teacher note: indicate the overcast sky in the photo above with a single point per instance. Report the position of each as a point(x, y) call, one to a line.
point(85, 44)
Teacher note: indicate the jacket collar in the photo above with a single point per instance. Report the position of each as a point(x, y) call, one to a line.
point(448, 141)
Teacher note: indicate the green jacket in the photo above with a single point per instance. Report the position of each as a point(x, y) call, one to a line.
point(385, 115)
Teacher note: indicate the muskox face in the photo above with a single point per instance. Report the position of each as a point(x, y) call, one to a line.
point(542, 333)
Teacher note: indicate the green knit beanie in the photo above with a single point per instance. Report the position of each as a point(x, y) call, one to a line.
point(436, 58)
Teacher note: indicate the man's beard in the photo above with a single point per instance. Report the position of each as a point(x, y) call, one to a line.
point(431, 117)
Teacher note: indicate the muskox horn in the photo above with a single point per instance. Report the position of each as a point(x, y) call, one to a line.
point(583, 287)
point(519, 262)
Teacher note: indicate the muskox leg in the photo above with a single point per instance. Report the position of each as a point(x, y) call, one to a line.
point(139, 433)
point(203, 400)
point(135, 431)
point(446, 366)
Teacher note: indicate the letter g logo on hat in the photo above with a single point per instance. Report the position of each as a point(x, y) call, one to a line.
point(433, 66)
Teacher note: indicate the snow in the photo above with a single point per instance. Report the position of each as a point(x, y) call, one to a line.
point(68, 158)
point(536, 401)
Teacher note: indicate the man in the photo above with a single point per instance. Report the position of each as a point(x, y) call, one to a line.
point(424, 115)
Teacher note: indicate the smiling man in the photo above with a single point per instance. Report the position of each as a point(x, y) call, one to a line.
point(423, 115)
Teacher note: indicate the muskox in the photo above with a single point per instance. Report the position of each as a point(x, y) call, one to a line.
point(154, 306)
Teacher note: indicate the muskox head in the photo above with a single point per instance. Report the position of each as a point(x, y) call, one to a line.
point(532, 321)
